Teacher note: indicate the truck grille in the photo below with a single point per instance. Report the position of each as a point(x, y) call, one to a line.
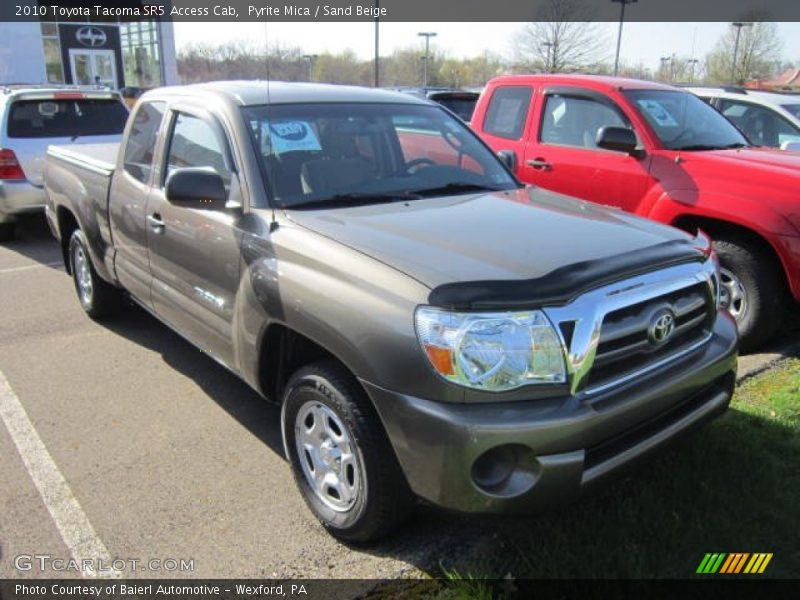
point(635, 336)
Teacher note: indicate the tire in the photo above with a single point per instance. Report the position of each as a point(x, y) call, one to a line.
point(98, 298)
point(341, 437)
point(749, 271)
point(6, 232)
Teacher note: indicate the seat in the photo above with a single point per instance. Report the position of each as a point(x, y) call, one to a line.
point(330, 176)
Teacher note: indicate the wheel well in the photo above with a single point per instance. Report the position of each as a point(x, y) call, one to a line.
point(67, 223)
point(716, 228)
point(283, 351)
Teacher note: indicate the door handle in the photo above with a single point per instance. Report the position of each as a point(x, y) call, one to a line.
point(539, 164)
point(156, 224)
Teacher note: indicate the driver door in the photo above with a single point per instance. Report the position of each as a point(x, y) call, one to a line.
point(194, 254)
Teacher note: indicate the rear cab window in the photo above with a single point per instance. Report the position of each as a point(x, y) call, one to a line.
point(507, 112)
point(66, 117)
point(138, 158)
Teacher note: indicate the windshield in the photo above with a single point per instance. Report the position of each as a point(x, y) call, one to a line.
point(324, 155)
point(66, 118)
point(682, 121)
point(793, 108)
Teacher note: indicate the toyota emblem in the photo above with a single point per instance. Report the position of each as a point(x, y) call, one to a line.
point(91, 36)
point(662, 326)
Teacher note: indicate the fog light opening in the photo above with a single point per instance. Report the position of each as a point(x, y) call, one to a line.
point(508, 470)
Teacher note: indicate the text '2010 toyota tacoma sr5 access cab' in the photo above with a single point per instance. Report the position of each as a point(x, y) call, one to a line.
point(431, 328)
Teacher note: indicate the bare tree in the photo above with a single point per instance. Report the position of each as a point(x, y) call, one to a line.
point(562, 39)
point(758, 52)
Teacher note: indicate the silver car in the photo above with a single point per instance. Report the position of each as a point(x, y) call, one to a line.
point(32, 118)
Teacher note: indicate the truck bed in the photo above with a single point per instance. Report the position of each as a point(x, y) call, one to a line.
point(99, 158)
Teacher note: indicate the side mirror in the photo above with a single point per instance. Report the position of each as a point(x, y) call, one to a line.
point(196, 187)
point(618, 139)
point(793, 146)
point(509, 158)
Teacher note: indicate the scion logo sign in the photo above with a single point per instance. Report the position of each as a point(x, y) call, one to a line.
point(662, 326)
point(91, 36)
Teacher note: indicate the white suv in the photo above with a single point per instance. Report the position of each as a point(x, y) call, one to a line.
point(767, 118)
point(32, 118)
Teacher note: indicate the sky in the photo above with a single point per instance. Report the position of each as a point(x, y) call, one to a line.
point(642, 43)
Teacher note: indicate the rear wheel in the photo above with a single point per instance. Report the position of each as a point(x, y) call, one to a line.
point(340, 455)
point(751, 289)
point(6, 232)
point(97, 297)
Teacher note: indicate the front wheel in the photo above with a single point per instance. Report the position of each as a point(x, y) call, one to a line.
point(97, 297)
point(751, 289)
point(341, 458)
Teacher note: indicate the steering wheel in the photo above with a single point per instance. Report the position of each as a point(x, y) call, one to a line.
point(419, 162)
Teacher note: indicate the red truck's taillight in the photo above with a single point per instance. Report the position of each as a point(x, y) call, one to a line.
point(9, 165)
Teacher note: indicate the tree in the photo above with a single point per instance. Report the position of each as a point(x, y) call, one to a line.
point(563, 39)
point(758, 52)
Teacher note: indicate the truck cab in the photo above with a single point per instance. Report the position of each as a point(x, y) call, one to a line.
point(661, 153)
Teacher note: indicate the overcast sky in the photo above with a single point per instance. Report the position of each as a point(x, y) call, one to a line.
point(641, 42)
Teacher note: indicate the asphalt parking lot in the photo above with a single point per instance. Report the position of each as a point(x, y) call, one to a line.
point(163, 454)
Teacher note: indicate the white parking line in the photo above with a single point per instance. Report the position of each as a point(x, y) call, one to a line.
point(72, 523)
point(28, 267)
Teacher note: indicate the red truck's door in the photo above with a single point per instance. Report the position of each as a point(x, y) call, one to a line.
point(561, 153)
point(504, 126)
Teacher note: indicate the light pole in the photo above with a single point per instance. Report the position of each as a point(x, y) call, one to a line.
point(377, 52)
point(427, 35)
point(738, 25)
point(664, 61)
point(622, 4)
point(547, 67)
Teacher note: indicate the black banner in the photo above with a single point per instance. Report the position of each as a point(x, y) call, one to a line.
point(398, 10)
point(700, 588)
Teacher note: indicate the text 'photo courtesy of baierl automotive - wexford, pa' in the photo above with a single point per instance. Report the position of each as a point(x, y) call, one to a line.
point(399, 299)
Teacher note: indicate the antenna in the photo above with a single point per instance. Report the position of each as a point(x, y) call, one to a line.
point(269, 164)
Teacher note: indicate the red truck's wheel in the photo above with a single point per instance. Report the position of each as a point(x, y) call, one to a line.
point(752, 289)
point(98, 298)
point(341, 458)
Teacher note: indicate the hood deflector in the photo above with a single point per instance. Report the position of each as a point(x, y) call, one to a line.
point(562, 285)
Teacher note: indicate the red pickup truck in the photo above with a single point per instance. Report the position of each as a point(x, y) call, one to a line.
point(662, 153)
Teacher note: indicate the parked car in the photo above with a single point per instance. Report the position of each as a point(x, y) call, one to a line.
point(431, 328)
point(766, 118)
point(660, 152)
point(31, 118)
point(461, 102)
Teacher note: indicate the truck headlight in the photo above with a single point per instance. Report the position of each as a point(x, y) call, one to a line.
point(491, 351)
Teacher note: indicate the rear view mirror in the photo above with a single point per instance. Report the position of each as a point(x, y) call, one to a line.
point(793, 146)
point(509, 158)
point(196, 187)
point(618, 139)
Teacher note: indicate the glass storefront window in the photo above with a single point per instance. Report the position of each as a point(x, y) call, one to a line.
point(52, 53)
point(140, 54)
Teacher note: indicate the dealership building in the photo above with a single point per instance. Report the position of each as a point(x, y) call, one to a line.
point(116, 54)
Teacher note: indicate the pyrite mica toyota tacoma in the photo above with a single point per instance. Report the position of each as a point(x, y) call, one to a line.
point(431, 328)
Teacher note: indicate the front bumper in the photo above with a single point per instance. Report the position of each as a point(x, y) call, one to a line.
point(19, 197)
point(518, 457)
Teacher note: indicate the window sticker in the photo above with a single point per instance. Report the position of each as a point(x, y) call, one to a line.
point(48, 109)
point(559, 111)
point(659, 114)
point(291, 136)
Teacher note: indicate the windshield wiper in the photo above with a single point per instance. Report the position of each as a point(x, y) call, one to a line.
point(696, 147)
point(353, 199)
point(456, 187)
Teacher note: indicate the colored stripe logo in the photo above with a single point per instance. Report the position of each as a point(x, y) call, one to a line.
point(734, 563)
